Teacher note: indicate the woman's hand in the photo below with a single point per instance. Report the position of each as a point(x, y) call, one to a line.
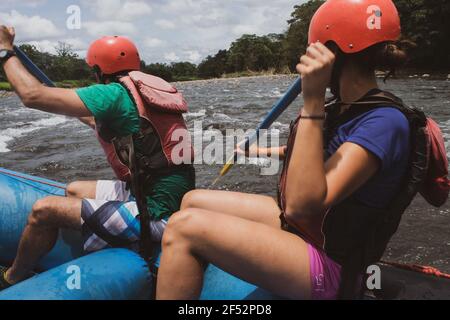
point(253, 151)
point(315, 68)
point(7, 35)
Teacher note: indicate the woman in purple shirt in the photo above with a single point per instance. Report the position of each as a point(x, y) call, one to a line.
point(366, 159)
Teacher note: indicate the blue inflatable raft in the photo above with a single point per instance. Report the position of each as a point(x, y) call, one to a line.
point(119, 274)
point(115, 274)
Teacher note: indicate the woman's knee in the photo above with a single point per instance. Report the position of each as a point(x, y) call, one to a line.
point(183, 226)
point(192, 199)
point(41, 212)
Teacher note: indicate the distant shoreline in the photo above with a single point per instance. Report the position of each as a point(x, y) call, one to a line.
point(72, 84)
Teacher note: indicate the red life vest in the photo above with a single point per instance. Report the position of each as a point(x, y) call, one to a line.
point(160, 108)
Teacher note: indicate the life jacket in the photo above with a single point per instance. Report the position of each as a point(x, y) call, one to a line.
point(355, 234)
point(160, 108)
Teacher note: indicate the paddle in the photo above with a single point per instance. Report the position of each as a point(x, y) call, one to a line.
point(34, 70)
point(278, 108)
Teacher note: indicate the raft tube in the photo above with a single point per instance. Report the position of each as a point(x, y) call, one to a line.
point(114, 274)
point(18, 193)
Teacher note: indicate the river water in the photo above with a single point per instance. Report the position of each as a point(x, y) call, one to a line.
point(62, 149)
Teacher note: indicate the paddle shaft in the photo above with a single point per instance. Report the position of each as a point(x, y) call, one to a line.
point(278, 108)
point(34, 69)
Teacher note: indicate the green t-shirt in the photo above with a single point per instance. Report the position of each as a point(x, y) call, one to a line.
point(112, 104)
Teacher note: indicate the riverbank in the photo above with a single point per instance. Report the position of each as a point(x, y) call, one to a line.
point(5, 86)
point(409, 74)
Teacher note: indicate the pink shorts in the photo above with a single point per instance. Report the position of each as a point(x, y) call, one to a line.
point(325, 275)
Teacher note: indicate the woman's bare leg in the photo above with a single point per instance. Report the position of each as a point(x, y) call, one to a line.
point(272, 259)
point(82, 190)
point(251, 207)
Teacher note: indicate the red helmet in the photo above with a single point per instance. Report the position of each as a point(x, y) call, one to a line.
point(113, 55)
point(355, 25)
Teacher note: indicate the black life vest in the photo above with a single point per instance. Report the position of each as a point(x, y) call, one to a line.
point(163, 130)
point(139, 158)
point(355, 234)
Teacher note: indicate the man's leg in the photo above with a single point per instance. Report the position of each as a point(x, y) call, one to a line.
point(41, 233)
point(82, 190)
point(111, 190)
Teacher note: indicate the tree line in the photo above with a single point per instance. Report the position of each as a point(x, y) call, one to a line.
point(425, 22)
point(67, 68)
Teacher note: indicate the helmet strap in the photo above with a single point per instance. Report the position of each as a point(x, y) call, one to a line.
point(101, 77)
point(335, 85)
point(104, 78)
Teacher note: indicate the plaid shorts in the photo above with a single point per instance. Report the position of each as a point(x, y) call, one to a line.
point(112, 223)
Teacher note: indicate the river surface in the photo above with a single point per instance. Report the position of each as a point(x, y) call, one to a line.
point(62, 149)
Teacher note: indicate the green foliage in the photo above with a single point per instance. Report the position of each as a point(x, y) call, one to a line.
point(179, 71)
point(296, 39)
point(251, 52)
point(427, 23)
point(213, 66)
point(183, 70)
point(161, 70)
point(65, 65)
point(4, 86)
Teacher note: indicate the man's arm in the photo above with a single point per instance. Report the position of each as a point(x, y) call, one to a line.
point(32, 93)
point(89, 121)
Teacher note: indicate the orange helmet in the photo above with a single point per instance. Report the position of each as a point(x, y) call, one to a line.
point(113, 55)
point(355, 25)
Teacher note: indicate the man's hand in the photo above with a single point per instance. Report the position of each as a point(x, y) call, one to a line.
point(7, 35)
point(32, 93)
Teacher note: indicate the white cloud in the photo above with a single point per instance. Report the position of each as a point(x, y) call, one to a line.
point(132, 9)
point(78, 45)
point(209, 25)
point(154, 43)
point(171, 57)
point(193, 56)
point(26, 3)
point(118, 10)
point(44, 45)
point(30, 28)
point(165, 24)
point(164, 30)
point(105, 28)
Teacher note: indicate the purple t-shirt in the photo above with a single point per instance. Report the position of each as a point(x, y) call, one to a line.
point(384, 132)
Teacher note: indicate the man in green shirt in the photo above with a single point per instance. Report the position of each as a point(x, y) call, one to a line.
point(106, 212)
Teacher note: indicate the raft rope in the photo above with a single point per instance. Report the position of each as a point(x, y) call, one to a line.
point(20, 177)
point(431, 271)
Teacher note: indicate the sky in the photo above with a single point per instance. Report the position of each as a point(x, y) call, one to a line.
point(164, 30)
